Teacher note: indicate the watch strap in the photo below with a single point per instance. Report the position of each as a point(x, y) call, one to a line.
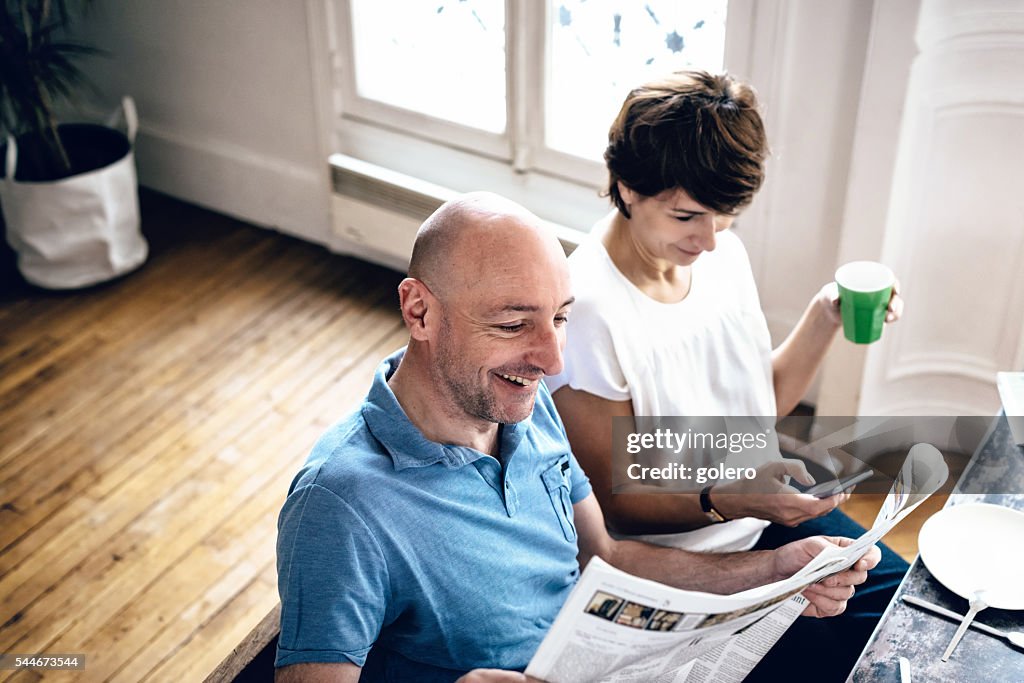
point(708, 507)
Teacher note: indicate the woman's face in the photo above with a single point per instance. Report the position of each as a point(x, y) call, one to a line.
point(671, 226)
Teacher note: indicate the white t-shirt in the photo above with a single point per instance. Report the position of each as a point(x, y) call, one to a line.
point(709, 354)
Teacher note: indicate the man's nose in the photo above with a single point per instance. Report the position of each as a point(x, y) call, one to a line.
point(546, 352)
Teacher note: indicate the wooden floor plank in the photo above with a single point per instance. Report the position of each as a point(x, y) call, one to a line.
point(197, 431)
point(139, 394)
point(126, 354)
point(223, 631)
point(207, 492)
point(164, 371)
point(100, 448)
point(203, 470)
point(56, 414)
point(117, 310)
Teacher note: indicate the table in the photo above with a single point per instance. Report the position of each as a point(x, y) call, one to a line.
point(920, 636)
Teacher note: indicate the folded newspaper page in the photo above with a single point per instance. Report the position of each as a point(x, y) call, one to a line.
point(619, 627)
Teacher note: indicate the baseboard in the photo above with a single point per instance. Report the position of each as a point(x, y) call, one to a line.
point(233, 180)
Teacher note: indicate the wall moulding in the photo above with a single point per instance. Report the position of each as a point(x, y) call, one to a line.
point(955, 198)
point(946, 20)
point(975, 368)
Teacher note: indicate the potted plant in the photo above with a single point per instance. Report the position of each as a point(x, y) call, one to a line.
point(68, 190)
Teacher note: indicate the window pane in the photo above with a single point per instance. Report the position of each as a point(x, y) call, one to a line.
point(600, 49)
point(442, 58)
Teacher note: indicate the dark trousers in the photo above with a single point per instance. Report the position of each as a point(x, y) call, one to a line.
point(825, 650)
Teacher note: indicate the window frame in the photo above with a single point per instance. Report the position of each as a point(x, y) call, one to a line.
point(355, 106)
point(516, 160)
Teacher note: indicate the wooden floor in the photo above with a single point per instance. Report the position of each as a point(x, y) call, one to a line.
point(149, 429)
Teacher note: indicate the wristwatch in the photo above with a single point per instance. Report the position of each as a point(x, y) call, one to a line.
point(709, 509)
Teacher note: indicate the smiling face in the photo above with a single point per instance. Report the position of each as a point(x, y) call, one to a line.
point(502, 324)
point(671, 228)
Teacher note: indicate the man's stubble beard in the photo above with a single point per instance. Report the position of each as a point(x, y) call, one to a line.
point(464, 391)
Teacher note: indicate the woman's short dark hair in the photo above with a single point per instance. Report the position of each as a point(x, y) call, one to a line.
point(691, 130)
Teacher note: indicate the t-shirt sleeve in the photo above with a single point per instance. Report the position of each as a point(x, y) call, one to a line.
point(578, 480)
point(591, 363)
point(332, 578)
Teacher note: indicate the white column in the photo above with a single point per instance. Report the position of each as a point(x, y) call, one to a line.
point(954, 233)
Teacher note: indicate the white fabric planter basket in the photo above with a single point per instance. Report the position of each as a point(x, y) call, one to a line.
point(80, 230)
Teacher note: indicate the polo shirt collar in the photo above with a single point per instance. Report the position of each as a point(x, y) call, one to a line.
point(406, 444)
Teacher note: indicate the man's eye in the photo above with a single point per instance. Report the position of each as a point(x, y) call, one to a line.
point(561, 319)
point(511, 328)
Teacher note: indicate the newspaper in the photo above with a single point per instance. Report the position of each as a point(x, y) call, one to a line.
point(619, 627)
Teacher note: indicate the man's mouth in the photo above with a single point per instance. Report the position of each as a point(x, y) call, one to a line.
point(516, 379)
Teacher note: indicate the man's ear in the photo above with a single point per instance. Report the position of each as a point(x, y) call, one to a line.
point(419, 307)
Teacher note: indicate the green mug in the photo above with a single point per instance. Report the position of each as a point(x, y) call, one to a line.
point(864, 291)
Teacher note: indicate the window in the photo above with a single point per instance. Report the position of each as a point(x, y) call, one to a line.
point(442, 59)
point(598, 50)
point(530, 84)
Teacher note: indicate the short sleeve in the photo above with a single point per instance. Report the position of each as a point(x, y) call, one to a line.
point(332, 578)
point(591, 363)
point(578, 480)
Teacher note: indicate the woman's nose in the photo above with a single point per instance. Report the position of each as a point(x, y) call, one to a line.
point(708, 230)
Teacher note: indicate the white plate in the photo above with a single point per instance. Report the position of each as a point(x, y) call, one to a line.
point(977, 546)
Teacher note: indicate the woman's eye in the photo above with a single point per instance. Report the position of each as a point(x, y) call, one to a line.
point(561, 319)
point(683, 219)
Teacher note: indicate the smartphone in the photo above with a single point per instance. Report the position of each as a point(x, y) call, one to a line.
point(831, 488)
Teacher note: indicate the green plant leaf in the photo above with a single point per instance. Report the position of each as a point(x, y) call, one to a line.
point(39, 69)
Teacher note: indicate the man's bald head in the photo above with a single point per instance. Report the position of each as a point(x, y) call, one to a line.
point(469, 233)
point(486, 302)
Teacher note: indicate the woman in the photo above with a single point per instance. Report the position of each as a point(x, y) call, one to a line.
point(667, 319)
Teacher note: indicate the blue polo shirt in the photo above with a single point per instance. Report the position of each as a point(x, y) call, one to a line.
point(435, 556)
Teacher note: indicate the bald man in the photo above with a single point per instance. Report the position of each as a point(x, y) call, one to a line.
point(440, 527)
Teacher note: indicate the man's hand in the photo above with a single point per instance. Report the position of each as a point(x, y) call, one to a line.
point(827, 597)
point(767, 496)
point(496, 676)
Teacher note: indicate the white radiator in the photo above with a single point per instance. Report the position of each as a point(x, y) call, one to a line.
point(375, 211)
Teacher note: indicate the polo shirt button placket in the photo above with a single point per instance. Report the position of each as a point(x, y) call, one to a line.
point(510, 500)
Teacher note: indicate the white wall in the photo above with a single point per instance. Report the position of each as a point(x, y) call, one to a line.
point(810, 83)
point(226, 101)
point(879, 109)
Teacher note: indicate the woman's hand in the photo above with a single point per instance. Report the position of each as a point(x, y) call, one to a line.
point(827, 300)
point(799, 356)
point(769, 497)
